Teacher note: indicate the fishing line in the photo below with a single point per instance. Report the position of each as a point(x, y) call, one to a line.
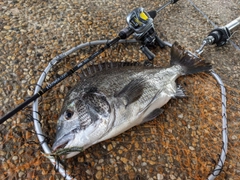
point(235, 45)
point(203, 14)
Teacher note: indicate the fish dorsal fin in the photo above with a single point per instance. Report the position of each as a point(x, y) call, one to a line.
point(94, 68)
point(131, 92)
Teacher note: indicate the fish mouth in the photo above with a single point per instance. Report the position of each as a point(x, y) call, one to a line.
point(62, 142)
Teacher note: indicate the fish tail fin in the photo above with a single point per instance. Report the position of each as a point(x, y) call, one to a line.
point(190, 64)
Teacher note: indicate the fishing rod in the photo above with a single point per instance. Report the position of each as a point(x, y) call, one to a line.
point(140, 24)
point(219, 35)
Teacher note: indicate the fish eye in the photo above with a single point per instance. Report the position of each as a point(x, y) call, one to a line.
point(68, 114)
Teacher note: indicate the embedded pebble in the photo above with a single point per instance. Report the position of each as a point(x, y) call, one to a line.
point(89, 172)
point(160, 177)
point(98, 175)
point(14, 158)
point(234, 137)
point(7, 27)
point(20, 174)
point(8, 38)
point(180, 116)
point(191, 148)
point(109, 147)
point(2, 153)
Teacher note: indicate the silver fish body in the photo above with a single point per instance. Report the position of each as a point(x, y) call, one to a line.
point(112, 101)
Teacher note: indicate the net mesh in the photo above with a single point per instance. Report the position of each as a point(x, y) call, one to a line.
point(182, 143)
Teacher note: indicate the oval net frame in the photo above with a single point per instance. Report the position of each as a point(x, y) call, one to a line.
point(56, 163)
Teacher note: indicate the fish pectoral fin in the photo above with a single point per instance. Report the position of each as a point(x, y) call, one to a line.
point(132, 91)
point(153, 114)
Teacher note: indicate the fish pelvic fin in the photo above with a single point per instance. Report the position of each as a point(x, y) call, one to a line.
point(189, 63)
point(153, 114)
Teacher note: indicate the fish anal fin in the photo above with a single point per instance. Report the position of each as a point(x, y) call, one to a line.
point(180, 92)
point(153, 114)
point(132, 91)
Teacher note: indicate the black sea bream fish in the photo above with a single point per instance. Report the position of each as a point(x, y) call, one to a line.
point(112, 101)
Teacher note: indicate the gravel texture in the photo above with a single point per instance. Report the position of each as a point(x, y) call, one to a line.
point(183, 143)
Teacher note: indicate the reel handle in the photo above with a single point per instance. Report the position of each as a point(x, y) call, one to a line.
point(147, 52)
